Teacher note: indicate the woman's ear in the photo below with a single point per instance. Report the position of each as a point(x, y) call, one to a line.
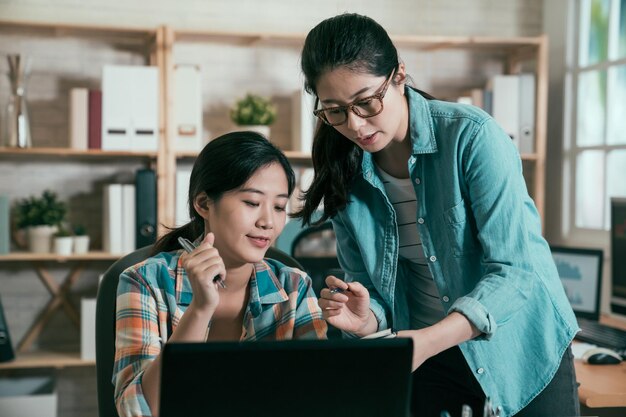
point(399, 78)
point(201, 205)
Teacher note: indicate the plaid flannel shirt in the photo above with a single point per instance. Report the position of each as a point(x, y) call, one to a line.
point(153, 295)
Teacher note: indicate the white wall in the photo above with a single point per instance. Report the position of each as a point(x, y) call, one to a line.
point(447, 17)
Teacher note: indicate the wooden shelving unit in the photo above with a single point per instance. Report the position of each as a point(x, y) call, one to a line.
point(156, 46)
point(143, 42)
point(513, 52)
point(42, 360)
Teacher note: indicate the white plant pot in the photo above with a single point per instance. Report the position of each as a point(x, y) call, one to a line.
point(63, 245)
point(40, 238)
point(261, 129)
point(81, 244)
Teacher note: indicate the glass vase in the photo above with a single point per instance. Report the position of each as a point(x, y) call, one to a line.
point(17, 133)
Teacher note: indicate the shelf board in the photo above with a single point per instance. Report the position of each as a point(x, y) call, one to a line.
point(76, 154)
point(42, 360)
point(125, 35)
point(295, 157)
point(424, 42)
point(29, 256)
point(529, 157)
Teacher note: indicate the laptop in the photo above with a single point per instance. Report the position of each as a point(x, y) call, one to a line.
point(580, 271)
point(331, 378)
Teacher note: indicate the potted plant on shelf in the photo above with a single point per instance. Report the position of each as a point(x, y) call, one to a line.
point(40, 217)
point(81, 239)
point(63, 242)
point(255, 113)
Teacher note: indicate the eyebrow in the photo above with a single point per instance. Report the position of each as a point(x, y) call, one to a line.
point(257, 191)
point(358, 93)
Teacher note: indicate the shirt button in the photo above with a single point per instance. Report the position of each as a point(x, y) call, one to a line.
point(417, 181)
point(420, 220)
point(480, 371)
point(433, 258)
point(445, 299)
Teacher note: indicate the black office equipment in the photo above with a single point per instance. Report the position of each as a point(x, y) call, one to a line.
point(6, 349)
point(580, 271)
point(618, 256)
point(146, 207)
point(304, 378)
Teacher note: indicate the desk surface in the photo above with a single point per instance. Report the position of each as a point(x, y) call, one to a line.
point(602, 385)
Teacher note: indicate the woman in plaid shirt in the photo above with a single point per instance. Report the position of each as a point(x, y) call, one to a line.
point(239, 188)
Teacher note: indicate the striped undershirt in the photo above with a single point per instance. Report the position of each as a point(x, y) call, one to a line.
point(425, 307)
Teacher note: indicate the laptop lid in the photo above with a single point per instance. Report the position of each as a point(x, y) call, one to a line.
point(331, 378)
point(580, 271)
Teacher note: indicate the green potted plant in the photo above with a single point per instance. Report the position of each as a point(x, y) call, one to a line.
point(63, 241)
point(254, 112)
point(81, 239)
point(40, 217)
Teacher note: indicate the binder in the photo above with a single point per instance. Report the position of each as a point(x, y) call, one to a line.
point(130, 108)
point(303, 122)
point(88, 329)
point(112, 218)
point(6, 349)
point(527, 113)
point(146, 204)
point(5, 225)
point(95, 119)
point(506, 105)
point(79, 120)
point(183, 175)
point(187, 108)
point(513, 102)
point(129, 214)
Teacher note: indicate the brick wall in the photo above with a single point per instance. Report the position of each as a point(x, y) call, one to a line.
point(229, 71)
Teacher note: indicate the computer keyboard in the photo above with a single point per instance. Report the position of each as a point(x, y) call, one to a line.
point(602, 335)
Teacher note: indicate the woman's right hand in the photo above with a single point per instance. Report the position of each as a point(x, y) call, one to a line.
point(348, 310)
point(202, 266)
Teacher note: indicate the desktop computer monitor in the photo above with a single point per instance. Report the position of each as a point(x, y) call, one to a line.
point(618, 256)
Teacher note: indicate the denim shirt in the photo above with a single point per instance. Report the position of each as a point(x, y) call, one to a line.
point(481, 233)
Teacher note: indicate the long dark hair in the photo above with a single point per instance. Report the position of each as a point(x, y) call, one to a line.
point(362, 45)
point(225, 164)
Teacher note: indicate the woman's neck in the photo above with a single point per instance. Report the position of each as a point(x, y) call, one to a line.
point(393, 159)
point(237, 278)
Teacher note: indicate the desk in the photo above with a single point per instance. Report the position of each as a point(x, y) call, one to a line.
point(602, 385)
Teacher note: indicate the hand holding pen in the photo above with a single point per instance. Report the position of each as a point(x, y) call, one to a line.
point(345, 305)
point(189, 247)
point(205, 269)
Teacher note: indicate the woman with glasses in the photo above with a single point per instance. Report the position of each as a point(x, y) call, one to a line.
point(436, 233)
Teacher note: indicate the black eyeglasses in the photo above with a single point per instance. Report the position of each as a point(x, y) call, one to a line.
point(364, 107)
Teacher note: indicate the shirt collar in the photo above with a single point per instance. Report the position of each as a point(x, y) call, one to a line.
point(265, 288)
point(421, 131)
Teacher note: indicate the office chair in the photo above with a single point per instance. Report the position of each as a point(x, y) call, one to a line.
point(105, 322)
point(315, 248)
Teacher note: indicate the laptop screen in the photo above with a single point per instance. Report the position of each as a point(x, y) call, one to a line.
point(580, 271)
point(331, 378)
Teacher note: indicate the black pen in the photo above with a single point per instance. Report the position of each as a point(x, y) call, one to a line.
point(189, 247)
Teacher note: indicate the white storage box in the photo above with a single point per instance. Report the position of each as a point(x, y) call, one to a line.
point(28, 397)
